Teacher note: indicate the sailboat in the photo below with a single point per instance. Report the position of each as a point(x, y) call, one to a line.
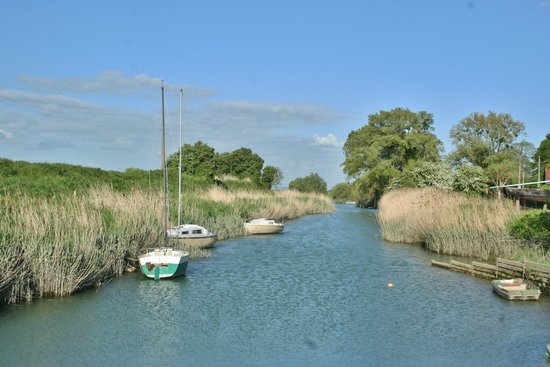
point(164, 262)
point(189, 234)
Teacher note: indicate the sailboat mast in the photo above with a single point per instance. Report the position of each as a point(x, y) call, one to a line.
point(181, 148)
point(164, 186)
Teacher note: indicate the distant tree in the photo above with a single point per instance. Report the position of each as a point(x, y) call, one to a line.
point(343, 192)
point(197, 160)
point(271, 177)
point(311, 183)
point(380, 150)
point(242, 163)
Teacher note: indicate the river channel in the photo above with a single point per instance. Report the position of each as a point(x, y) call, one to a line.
point(315, 295)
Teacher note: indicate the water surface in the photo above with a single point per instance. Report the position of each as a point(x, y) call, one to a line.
point(315, 295)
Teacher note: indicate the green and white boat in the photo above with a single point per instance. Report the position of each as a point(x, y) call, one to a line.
point(164, 262)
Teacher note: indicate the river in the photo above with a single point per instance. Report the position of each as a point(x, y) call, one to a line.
point(314, 295)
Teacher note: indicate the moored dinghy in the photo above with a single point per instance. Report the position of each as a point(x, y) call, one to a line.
point(516, 289)
point(263, 226)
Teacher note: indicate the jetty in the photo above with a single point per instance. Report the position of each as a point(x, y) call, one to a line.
point(537, 273)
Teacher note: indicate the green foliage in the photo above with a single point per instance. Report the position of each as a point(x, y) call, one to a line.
point(271, 177)
point(242, 163)
point(477, 137)
point(532, 227)
point(542, 152)
point(51, 179)
point(343, 192)
point(311, 183)
point(434, 174)
point(491, 142)
point(392, 140)
point(197, 160)
point(470, 179)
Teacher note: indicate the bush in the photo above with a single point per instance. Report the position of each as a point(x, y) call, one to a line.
point(532, 227)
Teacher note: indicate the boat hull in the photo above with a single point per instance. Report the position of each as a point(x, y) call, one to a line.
point(263, 228)
point(516, 289)
point(161, 264)
point(199, 241)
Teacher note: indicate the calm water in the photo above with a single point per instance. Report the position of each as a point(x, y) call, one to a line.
point(315, 295)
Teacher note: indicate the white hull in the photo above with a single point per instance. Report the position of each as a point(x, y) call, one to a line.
point(164, 263)
point(263, 226)
point(207, 241)
point(192, 235)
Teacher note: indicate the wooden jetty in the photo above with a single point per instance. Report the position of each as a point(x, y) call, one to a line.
point(538, 273)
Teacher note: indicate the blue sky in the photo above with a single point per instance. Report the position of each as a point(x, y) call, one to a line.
point(79, 81)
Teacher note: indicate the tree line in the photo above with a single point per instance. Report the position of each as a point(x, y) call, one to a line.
point(398, 148)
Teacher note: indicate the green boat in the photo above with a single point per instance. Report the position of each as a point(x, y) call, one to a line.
point(164, 262)
point(516, 289)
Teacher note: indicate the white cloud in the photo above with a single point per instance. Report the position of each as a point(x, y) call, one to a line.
point(112, 82)
point(118, 131)
point(330, 140)
point(6, 135)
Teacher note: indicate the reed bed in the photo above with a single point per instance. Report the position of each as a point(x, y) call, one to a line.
point(56, 246)
point(449, 223)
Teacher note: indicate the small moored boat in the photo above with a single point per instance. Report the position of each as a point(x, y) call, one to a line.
point(192, 235)
point(263, 226)
point(162, 263)
point(516, 289)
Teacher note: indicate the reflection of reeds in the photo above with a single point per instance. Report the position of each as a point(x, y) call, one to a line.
point(449, 223)
point(56, 246)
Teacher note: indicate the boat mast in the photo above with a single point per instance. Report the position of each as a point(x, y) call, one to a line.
point(163, 163)
point(179, 170)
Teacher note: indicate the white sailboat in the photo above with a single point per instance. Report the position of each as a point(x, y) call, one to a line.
point(188, 234)
point(164, 262)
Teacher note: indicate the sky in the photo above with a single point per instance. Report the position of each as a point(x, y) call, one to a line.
point(80, 81)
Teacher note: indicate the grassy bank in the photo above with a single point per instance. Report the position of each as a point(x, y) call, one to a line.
point(57, 245)
point(453, 223)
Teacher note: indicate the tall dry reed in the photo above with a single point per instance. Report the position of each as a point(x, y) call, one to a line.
point(65, 244)
point(448, 222)
point(56, 246)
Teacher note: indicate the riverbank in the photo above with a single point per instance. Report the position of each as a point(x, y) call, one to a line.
point(58, 245)
point(454, 224)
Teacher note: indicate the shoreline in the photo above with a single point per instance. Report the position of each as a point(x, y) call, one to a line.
point(54, 247)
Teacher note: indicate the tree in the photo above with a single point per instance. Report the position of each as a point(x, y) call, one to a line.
point(343, 192)
point(543, 153)
point(434, 174)
point(470, 179)
point(311, 183)
point(380, 150)
point(271, 177)
point(197, 160)
point(242, 163)
point(477, 137)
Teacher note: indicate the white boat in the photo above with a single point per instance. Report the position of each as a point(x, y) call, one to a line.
point(188, 234)
point(192, 235)
point(163, 262)
point(263, 226)
point(516, 289)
